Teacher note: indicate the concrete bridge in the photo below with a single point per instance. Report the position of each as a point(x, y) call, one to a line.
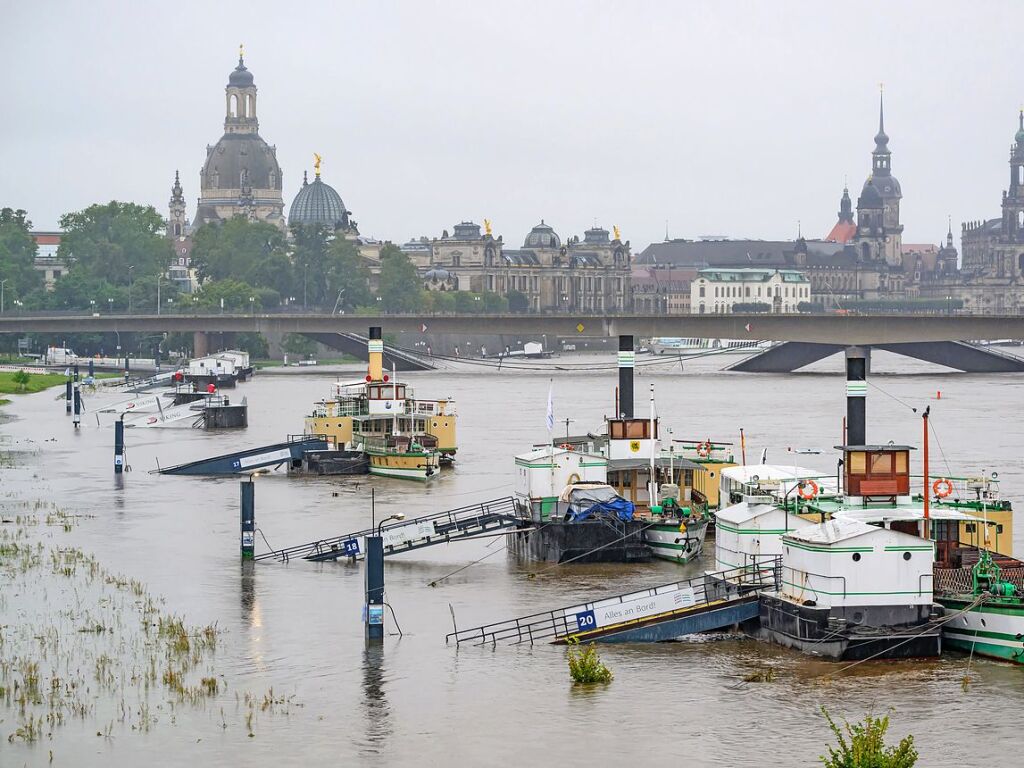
point(936, 338)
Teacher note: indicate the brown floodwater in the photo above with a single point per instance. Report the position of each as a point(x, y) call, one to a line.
point(297, 628)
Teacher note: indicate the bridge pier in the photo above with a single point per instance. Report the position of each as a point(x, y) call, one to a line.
point(200, 344)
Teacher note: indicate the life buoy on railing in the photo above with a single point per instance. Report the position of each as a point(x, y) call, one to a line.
point(567, 447)
point(704, 449)
point(942, 487)
point(574, 478)
point(808, 490)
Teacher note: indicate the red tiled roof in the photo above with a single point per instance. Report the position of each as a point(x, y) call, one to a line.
point(842, 232)
point(47, 238)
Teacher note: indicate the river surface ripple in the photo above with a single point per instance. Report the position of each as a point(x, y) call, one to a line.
point(416, 701)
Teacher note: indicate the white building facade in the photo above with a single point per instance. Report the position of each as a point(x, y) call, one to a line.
point(726, 291)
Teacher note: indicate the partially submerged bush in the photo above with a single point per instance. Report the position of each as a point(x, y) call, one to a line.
point(585, 666)
point(866, 746)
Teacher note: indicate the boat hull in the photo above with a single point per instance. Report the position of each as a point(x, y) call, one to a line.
point(668, 542)
point(990, 629)
point(405, 466)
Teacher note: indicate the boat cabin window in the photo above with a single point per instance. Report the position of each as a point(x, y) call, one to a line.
point(857, 462)
point(631, 429)
point(881, 472)
point(387, 391)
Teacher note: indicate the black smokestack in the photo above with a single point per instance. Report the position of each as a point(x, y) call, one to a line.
point(856, 395)
point(626, 360)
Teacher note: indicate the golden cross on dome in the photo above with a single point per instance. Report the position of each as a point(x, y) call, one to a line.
point(241, 51)
point(316, 164)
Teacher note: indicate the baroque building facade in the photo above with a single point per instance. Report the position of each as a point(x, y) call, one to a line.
point(591, 274)
point(241, 175)
point(992, 273)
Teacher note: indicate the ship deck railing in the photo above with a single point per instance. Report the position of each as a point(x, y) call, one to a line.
point(483, 518)
point(565, 625)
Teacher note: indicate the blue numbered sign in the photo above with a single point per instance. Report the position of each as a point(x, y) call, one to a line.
point(585, 621)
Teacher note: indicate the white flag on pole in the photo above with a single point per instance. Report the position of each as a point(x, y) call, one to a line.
point(551, 407)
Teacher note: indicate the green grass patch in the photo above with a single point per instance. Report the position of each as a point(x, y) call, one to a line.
point(12, 383)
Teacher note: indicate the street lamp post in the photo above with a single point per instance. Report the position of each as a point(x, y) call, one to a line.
point(252, 305)
point(110, 306)
point(158, 293)
point(2, 284)
point(375, 581)
point(130, 268)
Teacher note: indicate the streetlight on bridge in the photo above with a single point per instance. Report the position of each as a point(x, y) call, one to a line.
point(130, 268)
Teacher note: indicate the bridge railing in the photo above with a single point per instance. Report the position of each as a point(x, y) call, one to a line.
point(631, 607)
point(452, 523)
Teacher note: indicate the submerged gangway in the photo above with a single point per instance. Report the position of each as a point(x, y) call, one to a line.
point(249, 459)
point(665, 612)
point(437, 528)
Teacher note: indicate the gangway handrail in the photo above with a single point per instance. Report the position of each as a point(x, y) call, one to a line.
point(449, 525)
point(560, 623)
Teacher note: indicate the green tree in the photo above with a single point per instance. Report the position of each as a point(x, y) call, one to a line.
point(493, 302)
point(233, 296)
point(253, 343)
point(518, 301)
point(863, 745)
point(297, 344)
point(21, 378)
point(347, 278)
point(17, 254)
point(237, 249)
point(399, 281)
point(310, 257)
point(102, 241)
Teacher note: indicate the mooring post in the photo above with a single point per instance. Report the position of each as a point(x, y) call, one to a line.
point(127, 369)
point(248, 519)
point(76, 371)
point(68, 396)
point(856, 395)
point(77, 418)
point(627, 360)
point(374, 588)
point(119, 445)
point(92, 369)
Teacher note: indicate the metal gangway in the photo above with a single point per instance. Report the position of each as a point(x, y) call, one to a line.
point(245, 461)
point(460, 524)
point(664, 612)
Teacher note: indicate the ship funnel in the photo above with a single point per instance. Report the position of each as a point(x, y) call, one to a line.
point(626, 361)
point(856, 394)
point(375, 348)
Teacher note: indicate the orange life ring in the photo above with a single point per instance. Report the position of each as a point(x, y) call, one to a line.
point(809, 485)
point(704, 449)
point(942, 487)
point(566, 447)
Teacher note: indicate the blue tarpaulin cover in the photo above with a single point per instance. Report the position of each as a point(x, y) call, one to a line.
point(597, 502)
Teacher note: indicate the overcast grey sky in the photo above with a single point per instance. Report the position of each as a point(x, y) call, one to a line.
point(722, 118)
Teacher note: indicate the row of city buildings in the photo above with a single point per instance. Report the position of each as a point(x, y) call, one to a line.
point(862, 258)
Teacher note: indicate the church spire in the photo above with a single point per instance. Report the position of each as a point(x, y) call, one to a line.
point(846, 206)
point(881, 156)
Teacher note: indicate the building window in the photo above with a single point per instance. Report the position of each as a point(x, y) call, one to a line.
point(700, 292)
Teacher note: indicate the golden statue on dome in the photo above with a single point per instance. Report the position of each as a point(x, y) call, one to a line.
point(316, 164)
point(487, 226)
point(615, 230)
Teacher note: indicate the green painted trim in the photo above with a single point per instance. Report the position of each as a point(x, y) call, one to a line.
point(986, 634)
point(806, 588)
point(985, 649)
point(829, 550)
point(745, 531)
point(552, 466)
point(910, 549)
point(988, 607)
